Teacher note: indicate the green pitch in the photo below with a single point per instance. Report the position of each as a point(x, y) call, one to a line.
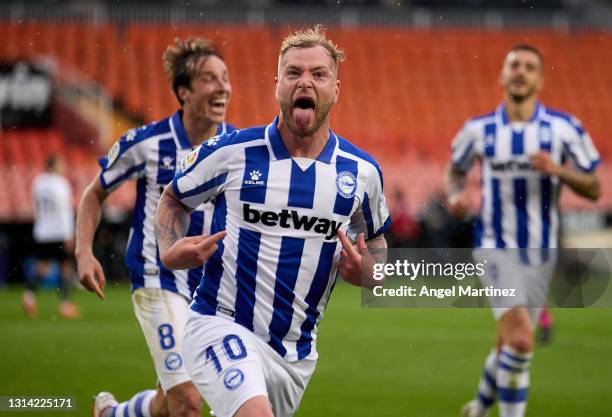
point(383, 362)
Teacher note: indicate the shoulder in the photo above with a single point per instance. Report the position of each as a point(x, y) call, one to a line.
point(224, 145)
point(565, 119)
point(235, 137)
point(347, 149)
point(229, 128)
point(146, 133)
point(476, 123)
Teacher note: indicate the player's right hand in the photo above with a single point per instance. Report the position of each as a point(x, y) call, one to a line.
point(191, 251)
point(91, 274)
point(458, 205)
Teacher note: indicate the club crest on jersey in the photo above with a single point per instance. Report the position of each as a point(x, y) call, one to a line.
point(346, 184)
point(233, 379)
point(173, 361)
point(112, 154)
point(189, 160)
point(546, 135)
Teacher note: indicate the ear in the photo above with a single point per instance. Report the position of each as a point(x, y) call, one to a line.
point(337, 91)
point(276, 87)
point(183, 92)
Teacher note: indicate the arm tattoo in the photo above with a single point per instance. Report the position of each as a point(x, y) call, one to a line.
point(171, 222)
point(379, 244)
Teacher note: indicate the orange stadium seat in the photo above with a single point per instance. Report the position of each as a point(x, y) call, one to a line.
point(404, 92)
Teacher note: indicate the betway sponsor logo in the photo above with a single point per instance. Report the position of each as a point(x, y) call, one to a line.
point(512, 166)
point(292, 219)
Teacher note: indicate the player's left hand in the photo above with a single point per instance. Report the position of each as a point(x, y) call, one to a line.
point(356, 261)
point(542, 162)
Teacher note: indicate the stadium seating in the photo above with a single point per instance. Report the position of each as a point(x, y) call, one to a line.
point(404, 92)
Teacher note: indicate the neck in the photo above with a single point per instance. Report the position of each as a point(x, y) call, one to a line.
point(309, 146)
point(521, 111)
point(198, 129)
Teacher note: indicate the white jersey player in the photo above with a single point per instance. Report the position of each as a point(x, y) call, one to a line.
point(522, 147)
point(53, 235)
point(150, 154)
point(286, 195)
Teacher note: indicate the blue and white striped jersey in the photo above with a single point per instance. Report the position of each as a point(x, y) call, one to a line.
point(519, 204)
point(276, 268)
point(150, 154)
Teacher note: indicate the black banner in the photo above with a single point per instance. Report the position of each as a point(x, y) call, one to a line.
point(26, 93)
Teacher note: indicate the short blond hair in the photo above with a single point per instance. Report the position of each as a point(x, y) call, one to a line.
point(311, 37)
point(181, 60)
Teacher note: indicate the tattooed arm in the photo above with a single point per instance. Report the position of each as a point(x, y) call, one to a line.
point(171, 223)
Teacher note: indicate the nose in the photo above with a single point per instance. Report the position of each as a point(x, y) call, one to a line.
point(304, 81)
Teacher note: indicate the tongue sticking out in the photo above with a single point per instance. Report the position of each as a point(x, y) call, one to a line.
point(303, 117)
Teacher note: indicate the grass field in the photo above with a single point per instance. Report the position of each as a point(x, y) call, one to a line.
point(373, 362)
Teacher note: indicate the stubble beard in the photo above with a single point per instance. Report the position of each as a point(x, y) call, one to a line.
point(321, 112)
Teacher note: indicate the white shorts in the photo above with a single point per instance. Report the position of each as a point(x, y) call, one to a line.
point(507, 269)
point(162, 315)
point(230, 365)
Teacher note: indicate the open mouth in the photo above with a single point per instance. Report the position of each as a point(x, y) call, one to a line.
point(218, 104)
point(304, 103)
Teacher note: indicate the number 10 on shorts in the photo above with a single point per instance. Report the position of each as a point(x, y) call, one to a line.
point(232, 347)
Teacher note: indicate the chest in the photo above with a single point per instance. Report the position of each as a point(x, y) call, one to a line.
point(309, 198)
point(162, 162)
point(507, 148)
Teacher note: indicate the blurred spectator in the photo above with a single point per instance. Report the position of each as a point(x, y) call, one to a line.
point(405, 230)
point(53, 235)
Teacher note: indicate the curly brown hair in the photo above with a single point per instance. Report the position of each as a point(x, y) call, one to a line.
point(181, 60)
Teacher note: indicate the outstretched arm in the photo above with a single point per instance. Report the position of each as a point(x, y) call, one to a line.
point(171, 223)
point(585, 184)
point(89, 213)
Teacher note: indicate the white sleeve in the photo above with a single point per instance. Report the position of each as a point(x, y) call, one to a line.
point(463, 149)
point(372, 216)
point(578, 146)
point(126, 159)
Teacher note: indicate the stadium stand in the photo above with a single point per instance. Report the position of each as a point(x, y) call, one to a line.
point(404, 94)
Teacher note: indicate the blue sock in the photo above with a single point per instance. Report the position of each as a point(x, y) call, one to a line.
point(512, 380)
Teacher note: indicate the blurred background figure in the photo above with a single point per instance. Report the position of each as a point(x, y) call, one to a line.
point(545, 326)
point(405, 229)
point(53, 236)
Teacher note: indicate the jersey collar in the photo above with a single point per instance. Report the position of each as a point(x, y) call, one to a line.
point(180, 136)
point(503, 115)
point(279, 150)
point(178, 131)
